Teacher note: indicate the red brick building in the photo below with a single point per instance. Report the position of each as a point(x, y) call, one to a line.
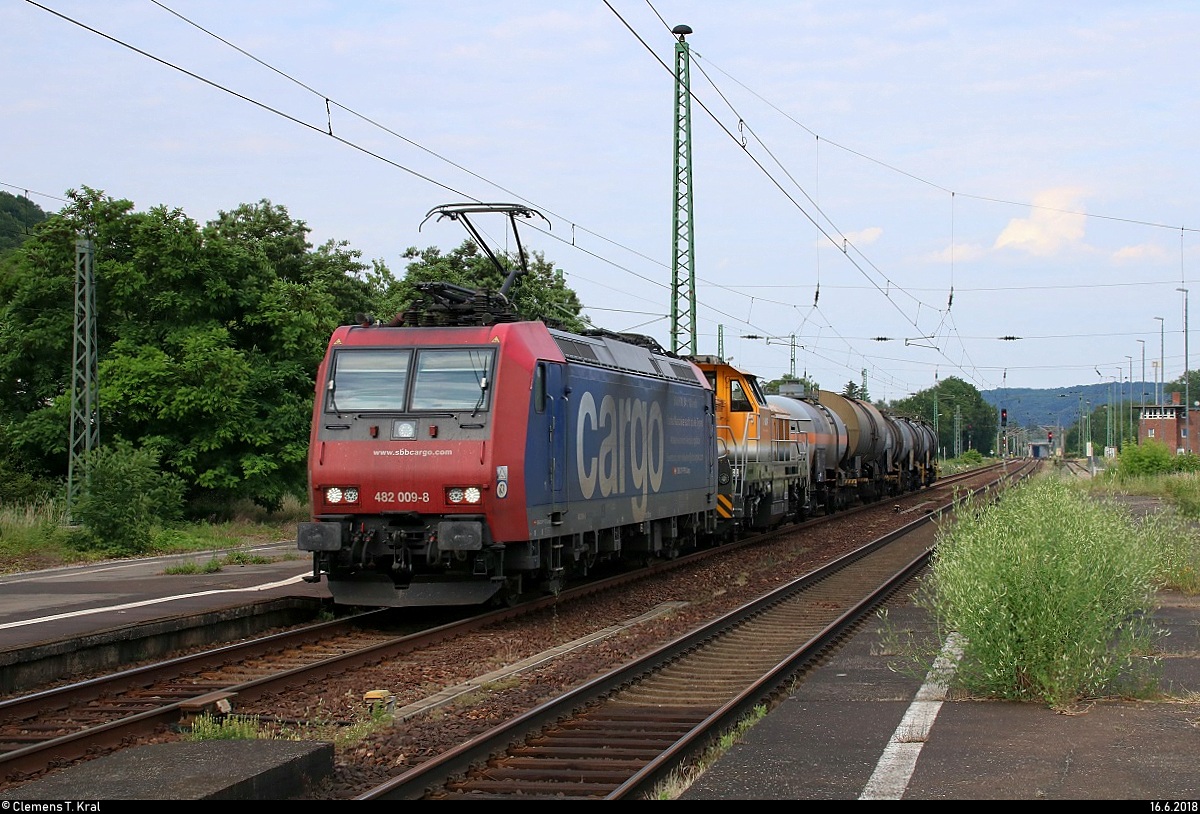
point(1165, 423)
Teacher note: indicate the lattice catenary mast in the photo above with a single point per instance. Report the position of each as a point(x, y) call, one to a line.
point(85, 418)
point(683, 271)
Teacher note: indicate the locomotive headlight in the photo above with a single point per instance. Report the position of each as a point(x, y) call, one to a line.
point(340, 494)
point(463, 494)
point(404, 430)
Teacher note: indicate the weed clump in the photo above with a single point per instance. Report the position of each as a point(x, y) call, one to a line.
point(1050, 592)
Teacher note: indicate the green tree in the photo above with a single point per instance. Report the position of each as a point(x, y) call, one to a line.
point(790, 384)
point(208, 340)
point(539, 294)
point(18, 217)
point(1189, 386)
point(978, 421)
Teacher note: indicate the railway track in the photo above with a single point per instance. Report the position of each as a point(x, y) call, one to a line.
point(619, 735)
point(59, 726)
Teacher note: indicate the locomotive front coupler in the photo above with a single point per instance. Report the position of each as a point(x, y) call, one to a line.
point(315, 576)
point(402, 566)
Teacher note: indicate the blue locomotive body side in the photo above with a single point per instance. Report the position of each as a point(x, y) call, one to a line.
point(631, 449)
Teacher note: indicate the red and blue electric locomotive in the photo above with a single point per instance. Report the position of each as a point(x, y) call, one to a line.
point(452, 465)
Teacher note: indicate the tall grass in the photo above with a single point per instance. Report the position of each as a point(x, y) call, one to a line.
point(1180, 489)
point(1051, 590)
point(37, 536)
point(1179, 524)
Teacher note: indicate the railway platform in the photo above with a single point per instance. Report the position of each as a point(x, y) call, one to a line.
point(82, 600)
point(855, 729)
point(119, 612)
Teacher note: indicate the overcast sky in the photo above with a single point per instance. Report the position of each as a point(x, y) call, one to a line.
point(888, 187)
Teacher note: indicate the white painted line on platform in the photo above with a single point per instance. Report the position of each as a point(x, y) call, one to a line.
point(899, 759)
point(253, 588)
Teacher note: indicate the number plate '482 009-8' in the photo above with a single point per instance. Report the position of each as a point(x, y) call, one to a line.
point(401, 497)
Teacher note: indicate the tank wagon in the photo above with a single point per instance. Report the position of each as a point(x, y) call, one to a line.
point(860, 452)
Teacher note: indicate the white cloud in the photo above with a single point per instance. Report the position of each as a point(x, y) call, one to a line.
point(1141, 252)
point(863, 237)
point(1056, 221)
point(959, 253)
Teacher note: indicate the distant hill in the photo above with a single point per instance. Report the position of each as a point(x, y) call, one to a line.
point(1060, 406)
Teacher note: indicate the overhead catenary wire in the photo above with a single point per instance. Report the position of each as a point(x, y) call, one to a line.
point(328, 128)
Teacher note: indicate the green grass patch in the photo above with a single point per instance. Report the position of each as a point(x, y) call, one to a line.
point(246, 558)
point(319, 726)
point(970, 459)
point(207, 727)
point(1180, 552)
point(37, 536)
point(212, 566)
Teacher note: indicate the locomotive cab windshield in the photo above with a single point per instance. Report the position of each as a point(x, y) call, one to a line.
point(401, 380)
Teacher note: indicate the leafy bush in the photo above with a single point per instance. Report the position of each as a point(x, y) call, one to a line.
point(1050, 592)
point(1187, 462)
point(124, 495)
point(1148, 458)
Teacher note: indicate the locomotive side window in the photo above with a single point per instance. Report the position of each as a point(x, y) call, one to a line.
point(738, 400)
point(452, 379)
point(539, 388)
point(756, 388)
point(369, 380)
